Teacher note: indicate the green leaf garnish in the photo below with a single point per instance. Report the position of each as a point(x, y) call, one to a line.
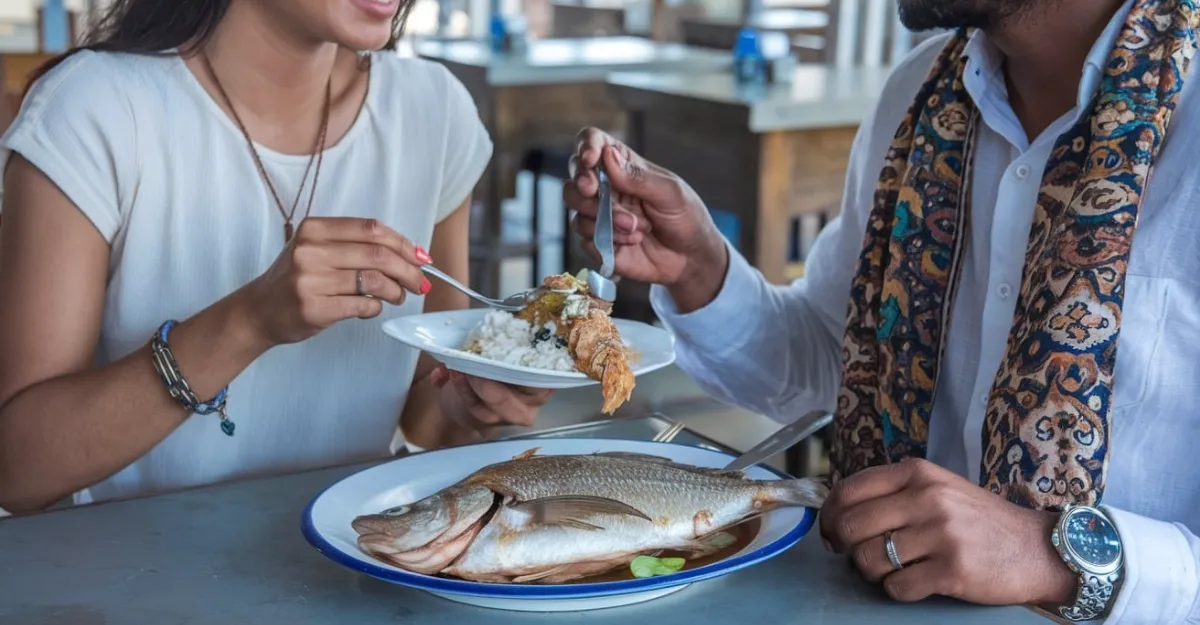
point(650, 566)
point(720, 540)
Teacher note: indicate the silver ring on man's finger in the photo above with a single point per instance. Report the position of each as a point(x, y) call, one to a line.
point(890, 546)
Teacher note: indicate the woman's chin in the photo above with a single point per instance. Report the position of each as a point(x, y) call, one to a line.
point(365, 39)
point(363, 43)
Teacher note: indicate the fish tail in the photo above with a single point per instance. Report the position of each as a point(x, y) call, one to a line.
point(808, 491)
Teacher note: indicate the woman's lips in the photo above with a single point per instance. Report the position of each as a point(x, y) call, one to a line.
point(379, 9)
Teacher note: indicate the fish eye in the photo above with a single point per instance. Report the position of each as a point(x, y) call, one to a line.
point(396, 511)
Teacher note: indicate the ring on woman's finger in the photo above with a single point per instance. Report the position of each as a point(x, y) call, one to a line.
point(359, 287)
point(890, 547)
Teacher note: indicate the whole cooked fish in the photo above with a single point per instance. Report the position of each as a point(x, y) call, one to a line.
point(551, 519)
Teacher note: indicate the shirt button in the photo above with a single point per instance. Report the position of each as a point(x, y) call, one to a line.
point(1004, 290)
point(1022, 172)
point(983, 399)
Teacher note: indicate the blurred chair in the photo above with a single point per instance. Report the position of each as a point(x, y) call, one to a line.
point(553, 162)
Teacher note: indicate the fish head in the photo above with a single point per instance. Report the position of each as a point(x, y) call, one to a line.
point(405, 527)
point(428, 532)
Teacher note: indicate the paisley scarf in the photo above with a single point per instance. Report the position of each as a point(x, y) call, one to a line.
point(1046, 430)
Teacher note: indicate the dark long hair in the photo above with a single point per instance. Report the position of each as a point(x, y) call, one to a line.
point(158, 26)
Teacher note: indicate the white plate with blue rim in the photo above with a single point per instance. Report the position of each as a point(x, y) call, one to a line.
point(326, 526)
point(443, 336)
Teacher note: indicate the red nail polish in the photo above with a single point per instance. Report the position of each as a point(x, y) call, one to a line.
point(423, 256)
point(425, 286)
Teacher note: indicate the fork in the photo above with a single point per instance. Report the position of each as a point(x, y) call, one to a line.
point(512, 303)
point(669, 434)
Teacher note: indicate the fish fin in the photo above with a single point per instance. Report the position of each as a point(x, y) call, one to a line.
point(707, 545)
point(579, 525)
point(630, 455)
point(730, 473)
point(571, 510)
point(528, 453)
point(696, 549)
point(533, 577)
point(633, 455)
point(576, 570)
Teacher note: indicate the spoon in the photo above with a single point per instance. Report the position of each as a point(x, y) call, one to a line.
point(512, 303)
point(600, 283)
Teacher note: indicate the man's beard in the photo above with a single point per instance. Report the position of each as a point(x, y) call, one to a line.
point(921, 15)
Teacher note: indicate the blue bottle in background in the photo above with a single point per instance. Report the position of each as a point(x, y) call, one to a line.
point(498, 33)
point(56, 29)
point(749, 64)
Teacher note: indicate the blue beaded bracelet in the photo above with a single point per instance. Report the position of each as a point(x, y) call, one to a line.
point(177, 386)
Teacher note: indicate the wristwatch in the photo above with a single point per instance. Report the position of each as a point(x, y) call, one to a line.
point(1090, 545)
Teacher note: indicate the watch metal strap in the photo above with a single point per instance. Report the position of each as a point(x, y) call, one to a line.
point(1095, 592)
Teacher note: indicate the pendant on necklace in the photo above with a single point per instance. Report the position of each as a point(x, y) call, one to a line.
point(287, 231)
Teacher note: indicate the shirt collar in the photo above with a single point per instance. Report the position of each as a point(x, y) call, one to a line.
point(984, 61)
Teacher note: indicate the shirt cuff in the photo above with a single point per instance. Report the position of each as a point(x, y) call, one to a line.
point(400, 443)
point(40, 153)
point(1159, 578)
point(720, 327)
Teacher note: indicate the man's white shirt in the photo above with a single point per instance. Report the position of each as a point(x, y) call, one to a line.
point(777, 349)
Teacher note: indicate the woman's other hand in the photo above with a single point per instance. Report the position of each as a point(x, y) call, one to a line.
point(477, 404)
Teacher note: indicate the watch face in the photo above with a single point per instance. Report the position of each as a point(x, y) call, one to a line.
point(1093, 538)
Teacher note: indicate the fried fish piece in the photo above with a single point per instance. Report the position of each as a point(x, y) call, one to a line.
point(592, 339)
point(600, 354)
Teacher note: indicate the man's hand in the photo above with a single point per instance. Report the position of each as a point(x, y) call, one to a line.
point(662, 232)
point(953, 537)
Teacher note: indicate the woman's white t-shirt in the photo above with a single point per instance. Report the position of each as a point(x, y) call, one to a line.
point(167, 178)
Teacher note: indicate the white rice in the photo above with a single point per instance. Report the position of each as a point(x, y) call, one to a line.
point(503, 337)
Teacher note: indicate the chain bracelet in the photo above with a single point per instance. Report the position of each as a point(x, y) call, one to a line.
point(177, 386)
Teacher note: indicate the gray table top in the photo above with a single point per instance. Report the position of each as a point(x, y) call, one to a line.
point(819, 96)
point(234, 554)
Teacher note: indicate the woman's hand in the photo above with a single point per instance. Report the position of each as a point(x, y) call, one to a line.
point(477, 405)
point(315, 280)
point(662, 231)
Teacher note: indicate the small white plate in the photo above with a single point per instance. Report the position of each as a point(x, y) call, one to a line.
point(326, 525)
point(442, 335)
